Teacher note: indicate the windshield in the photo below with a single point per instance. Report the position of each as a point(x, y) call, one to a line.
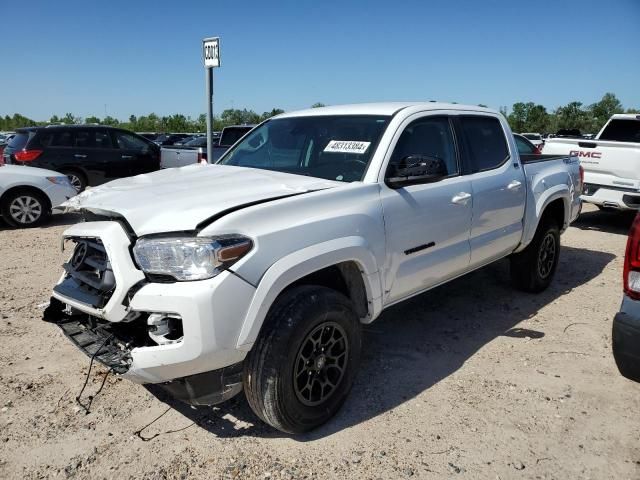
point(329, 147)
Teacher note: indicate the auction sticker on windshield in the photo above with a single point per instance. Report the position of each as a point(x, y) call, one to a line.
point(344, 146)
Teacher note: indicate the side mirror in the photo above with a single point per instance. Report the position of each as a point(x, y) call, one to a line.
point(416, 169)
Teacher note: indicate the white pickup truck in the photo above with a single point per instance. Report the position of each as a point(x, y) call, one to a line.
point(256, 273)
point(196, 150)
point(611, 162)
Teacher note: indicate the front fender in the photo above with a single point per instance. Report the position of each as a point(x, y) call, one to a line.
point(303, 262)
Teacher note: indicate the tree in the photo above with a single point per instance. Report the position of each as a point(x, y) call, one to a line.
point(272, 113)
point(92, 119)
point(573, 116)
point(601, 111)
point(70, 119)
point(528, 117)
point(318, 105)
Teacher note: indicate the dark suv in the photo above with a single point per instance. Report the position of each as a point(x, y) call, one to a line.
point(89, 155)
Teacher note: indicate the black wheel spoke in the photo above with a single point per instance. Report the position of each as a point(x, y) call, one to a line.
point(320, 363)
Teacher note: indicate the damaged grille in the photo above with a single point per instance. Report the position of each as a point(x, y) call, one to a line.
point(89, 278)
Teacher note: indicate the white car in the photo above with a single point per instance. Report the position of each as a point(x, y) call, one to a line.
point(28, 194)
point(257, 273)
point(611, 162)
point(534, 138)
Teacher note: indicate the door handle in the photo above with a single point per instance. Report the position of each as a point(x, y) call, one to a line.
point(514, 185)
point(126, 157)
point(78, 155)
point(461, 199)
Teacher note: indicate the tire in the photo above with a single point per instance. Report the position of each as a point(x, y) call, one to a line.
point(533, 269)
point(25, 208)
point(77, 179)
point(282, 389)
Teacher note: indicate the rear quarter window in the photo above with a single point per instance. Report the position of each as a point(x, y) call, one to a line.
point(19, 141)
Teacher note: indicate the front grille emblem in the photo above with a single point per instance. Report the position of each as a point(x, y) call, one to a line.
point(79, 255)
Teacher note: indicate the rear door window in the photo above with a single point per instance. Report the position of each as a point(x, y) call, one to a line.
point(486, 143)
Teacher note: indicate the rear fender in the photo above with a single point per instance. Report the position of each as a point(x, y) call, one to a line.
point(302, 263)
point(542, 199)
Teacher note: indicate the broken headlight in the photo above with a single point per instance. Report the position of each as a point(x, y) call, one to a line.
point(190, 258)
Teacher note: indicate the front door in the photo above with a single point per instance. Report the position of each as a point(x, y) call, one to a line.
point(427, 225)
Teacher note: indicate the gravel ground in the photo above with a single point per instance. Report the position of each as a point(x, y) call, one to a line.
point(471, 380)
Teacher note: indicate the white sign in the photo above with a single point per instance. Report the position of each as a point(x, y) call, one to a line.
point(346, 146)
point(211, 52)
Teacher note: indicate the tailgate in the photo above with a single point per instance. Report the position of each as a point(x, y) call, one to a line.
point(178, 157)
point(613, 164)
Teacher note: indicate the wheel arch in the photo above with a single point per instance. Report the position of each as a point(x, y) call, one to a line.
point(555, 204)
point(26, 188)
point(346, 265)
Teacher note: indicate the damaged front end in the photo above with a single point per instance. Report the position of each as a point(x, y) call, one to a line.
point(107, 342)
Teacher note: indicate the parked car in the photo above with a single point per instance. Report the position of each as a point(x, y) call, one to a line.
point(170, 138)
point(257, 272)
point(149, 135)
point(88, 155)
point(27, 195)
point(626, 323)
point(534, 138)
point(525, 147)
point(195, 151)
point(611, 162)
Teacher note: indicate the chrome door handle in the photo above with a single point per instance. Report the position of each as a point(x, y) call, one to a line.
point(461, 199)
point(514, 185)
point(77, 155)
point(126, 157)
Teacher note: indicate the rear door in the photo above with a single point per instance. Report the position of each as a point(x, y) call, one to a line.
point(498, 187)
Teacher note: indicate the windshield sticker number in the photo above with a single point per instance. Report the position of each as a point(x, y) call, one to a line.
point(343, 146)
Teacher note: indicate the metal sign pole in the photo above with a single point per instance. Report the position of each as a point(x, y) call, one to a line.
point(211, 57)
point(209, 88)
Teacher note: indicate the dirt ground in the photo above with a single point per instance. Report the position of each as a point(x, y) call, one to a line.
point(471, 380)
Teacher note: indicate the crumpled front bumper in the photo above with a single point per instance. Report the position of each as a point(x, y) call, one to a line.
point(211, 312)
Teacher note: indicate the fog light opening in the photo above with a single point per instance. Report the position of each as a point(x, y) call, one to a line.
point(165, 328)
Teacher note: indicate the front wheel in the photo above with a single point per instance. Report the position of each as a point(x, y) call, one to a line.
point(303, 364)
point(533, 269)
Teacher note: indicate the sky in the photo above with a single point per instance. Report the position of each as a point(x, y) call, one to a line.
point(135, 57)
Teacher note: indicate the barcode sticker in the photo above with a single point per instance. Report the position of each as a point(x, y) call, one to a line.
point(346, 146)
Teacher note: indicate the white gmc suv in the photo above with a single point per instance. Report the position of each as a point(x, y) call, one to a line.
point(257, 272)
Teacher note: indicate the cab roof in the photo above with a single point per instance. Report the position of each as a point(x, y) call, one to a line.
point(386, 109)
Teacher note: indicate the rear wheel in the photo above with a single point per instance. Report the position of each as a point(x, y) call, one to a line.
point(533, 269)
point(77, 179)
point(302, 366)
point(25, 208)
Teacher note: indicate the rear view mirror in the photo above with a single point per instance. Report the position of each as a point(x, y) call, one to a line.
point(416, 169)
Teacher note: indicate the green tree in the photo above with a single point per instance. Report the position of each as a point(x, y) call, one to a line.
point(70, 119)
point(318, 105)
point(272, 113)
point(92, 119)
point(572, 116)
point(601, 111)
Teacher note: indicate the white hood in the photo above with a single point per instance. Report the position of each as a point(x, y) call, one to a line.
point(178, 199)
